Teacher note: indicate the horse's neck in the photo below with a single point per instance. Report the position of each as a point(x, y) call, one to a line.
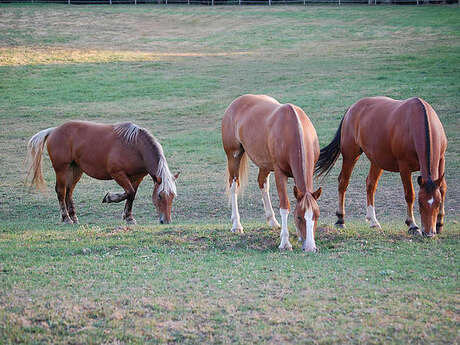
point(153, 157)
point(303, 178)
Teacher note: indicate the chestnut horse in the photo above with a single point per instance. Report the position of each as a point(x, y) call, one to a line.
point(399, 136)
point(280, 138)
point(123, 152)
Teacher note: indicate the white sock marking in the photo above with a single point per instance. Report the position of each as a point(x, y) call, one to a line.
point(370, 216)
point(284, 235)
point(236, 225)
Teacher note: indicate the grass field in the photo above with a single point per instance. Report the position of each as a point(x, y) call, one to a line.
point(174, 70)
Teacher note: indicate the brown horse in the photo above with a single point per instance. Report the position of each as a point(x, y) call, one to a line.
point(277, 138)
point(123, 152)
point(399, 136)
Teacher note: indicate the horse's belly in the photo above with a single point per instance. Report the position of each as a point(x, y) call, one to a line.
point(261, 161)
point(99, 174)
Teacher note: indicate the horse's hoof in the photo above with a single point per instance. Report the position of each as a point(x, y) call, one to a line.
point(75, 220)
point(67, 220)
point(376, 226)
point(106, 198)
point(273, 223)
point(311, 250)
point(238, 230)
point(414, 231)
point(286, 247)
point(340, 225)
point(130, 221)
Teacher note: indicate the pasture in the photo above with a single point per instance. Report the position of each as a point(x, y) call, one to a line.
point(174, 70)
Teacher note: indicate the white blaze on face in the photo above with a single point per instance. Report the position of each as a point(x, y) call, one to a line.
point(309, 243)
point(430, 202)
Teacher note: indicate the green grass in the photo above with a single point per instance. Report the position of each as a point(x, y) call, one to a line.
point(174, 70)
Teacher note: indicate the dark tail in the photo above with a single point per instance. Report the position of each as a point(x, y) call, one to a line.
point(329, 154)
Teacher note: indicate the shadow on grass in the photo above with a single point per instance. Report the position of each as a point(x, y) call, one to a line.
point(263, 239)
point(260, 239)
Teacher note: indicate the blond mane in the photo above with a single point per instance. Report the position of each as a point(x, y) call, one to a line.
point(131, 132)
point(127, 131)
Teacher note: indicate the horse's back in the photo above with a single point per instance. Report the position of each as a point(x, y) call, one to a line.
point(74, 134)
point(387, 130)
point(267, 129)
point(246, 117)
point(95, 147)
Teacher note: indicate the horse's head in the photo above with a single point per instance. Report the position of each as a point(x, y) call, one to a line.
point(306, 216)
point(162, 199)
point(429, 200)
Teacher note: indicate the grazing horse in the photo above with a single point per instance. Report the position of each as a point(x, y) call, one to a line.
point(399, 136)
point(280, 138)
point(123, 152)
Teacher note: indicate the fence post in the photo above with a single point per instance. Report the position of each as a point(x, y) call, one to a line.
point(269, 2)
point(68, 2)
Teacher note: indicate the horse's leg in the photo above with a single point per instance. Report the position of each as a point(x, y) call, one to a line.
point(371, 185)
point(233, 169)
point(443, 190)
point(281, 186)
point(114, 197)
point(73, 176)
point(409, 195)
point(122, 179)
point(344, 178)
point(264, 185)
point(61, 189)
point(127, 214)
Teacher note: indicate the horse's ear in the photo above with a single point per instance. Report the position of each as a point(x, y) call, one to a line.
point(157, 179)
point(176, 175)
point(297, 193)
point(438, 181)
point(317, 194)
point(420, 181)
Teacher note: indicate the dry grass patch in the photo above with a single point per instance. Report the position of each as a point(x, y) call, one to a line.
point(18, 56)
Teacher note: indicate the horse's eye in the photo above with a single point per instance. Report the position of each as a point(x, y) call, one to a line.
point(159, 197)
point(299, 218)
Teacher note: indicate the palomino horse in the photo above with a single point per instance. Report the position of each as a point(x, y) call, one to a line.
point(277, 138)
point(123, 152)
point(399, 136)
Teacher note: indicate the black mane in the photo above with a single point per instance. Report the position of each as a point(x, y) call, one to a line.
point(427, 142)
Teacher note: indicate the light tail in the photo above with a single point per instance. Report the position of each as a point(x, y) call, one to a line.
point(35, 149)
point(242, 176)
